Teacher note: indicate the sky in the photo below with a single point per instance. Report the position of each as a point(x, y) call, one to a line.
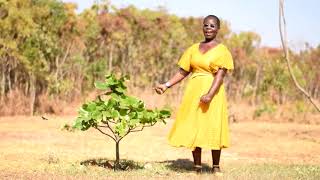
point(261, 16)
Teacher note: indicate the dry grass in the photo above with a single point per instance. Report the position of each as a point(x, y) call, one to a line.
point(32, 148)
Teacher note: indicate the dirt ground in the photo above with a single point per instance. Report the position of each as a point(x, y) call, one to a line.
point(33, 148)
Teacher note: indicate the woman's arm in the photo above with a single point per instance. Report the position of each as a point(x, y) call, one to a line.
point(180, 75)
point(218, 80)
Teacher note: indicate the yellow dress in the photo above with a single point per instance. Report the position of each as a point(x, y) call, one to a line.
point(199, 125)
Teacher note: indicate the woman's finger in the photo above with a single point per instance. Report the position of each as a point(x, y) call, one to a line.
point(156, 89)
point(159, 90)
point(202, 99)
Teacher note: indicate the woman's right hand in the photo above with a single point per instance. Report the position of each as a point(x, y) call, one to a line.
point(161, 88)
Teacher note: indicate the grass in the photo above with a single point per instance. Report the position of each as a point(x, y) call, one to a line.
point(31, 148)
point(166, 170)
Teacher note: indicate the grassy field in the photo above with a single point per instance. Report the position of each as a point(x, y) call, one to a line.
point(32, 148)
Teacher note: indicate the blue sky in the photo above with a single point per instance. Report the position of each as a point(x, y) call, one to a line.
point(260, 16)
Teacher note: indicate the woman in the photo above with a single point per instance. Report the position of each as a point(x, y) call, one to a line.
point(202, 120)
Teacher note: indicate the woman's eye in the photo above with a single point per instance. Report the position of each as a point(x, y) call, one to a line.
point(209, 25)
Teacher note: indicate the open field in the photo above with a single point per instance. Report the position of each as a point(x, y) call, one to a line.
point(32, 148)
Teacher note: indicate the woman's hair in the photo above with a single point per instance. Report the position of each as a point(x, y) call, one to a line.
point(214, 17)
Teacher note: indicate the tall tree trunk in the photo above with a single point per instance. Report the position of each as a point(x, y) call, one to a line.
point(284, 42)
point(9, 79)
point(32, 93)
point(3, 80)
point(316, 92)
point(110, 68)
point(240, 85)
point(256, 85)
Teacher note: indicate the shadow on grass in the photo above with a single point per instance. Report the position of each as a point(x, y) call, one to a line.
point(183, 165)
point(179, 165)
point(109, 164)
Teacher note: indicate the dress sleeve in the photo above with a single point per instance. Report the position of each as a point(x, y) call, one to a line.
point(224, 61)
point(184, 61)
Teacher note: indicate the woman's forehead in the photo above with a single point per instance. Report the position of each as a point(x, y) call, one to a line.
point(210, 21)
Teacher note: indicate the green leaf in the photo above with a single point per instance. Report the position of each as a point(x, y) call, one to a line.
point(78, 124)
point(120, 90)
point(133, 115)
point(101, 85)
point(115, 97)
point(82, 111)
point(123, 112)
point(91, 106)
point(110, 103)
point(111, 81)
point(106, 114)
point(121, 128)
point(134, 122)
point(165, 113)
point(115, 114)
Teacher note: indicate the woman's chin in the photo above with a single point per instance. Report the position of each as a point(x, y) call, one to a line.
point(209, 38)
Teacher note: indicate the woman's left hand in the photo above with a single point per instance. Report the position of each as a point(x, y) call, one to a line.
point(206, 98)
point(161, 88)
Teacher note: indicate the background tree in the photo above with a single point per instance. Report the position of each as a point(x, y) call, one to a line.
point(52, 55)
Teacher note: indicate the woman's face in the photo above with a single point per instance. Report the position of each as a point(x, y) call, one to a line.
point(210, 28)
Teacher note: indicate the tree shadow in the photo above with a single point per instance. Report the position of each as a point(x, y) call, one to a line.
point(183, 165)
point(109, 164)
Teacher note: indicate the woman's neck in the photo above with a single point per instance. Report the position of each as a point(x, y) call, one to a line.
point(209, 41)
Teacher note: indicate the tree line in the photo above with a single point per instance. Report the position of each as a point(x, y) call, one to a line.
point(47, 48)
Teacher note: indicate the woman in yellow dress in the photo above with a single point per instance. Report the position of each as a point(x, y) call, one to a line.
point(202, 119)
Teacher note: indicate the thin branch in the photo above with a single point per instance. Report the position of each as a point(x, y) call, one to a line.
point(103, 126)
point(132, 130)
point(67, 53)
point(106, 122)
point(125, 135)
point(113, 122)
point(283, 35)
point(137, 129)
point(108, 126)
point(152, 124)
point(105, 133)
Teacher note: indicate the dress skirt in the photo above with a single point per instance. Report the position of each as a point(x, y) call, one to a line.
point(198, 124)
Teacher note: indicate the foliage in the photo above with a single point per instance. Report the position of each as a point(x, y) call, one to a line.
point(48, 48)
point(125, 112)
point(265, 108)
point(117, 112)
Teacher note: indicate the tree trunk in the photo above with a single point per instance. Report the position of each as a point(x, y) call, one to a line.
point(117, 162)
point(239, 89)
point(32, 93)
point(110, 68)
point(284, 42)
point(3, 81)
point(9, 79)
point(256, 85)
point(316, 92)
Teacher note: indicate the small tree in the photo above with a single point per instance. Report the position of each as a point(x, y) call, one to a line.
point(116, 114)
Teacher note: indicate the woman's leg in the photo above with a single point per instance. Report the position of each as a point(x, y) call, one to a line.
point(196, 153)
point(216, 160)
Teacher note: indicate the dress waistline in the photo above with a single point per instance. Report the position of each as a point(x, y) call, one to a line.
point(197, 74)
